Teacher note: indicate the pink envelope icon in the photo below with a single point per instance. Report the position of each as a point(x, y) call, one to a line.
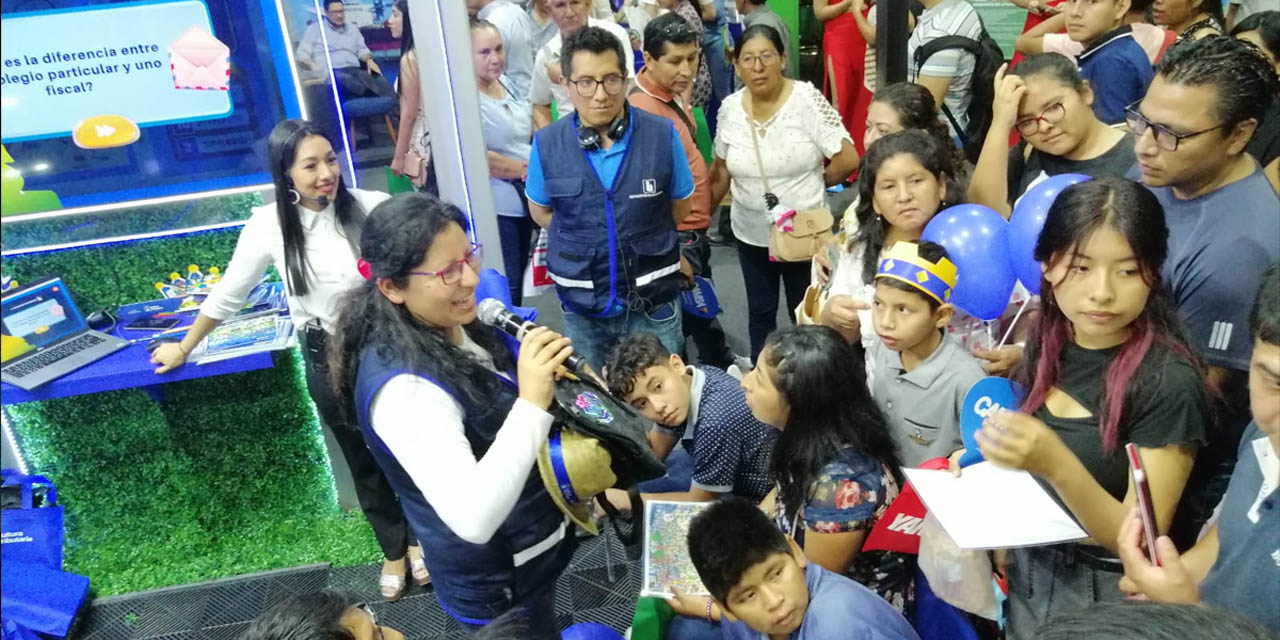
point(199, 61)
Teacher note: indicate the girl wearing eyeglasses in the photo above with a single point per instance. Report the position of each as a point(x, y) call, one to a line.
point(1046, 101)
point(453, 419)
point(310, 235)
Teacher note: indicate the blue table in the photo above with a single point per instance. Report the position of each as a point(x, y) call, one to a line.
point(128, 368)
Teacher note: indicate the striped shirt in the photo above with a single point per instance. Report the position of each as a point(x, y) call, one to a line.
point(947, 18)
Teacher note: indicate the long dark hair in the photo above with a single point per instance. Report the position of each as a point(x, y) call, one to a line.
point(1135, 213)
point(309, 616)
point(406, 34)
point(396, 239)
point(917, 110)
point(872, 228)
point(824, 381)
point(282, 150)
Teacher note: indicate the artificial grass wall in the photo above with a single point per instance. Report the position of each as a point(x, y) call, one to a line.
point(229, 475)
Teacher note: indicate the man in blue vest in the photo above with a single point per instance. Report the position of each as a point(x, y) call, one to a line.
point(610, 183)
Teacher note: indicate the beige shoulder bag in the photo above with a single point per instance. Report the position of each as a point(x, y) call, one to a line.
point(812, 226)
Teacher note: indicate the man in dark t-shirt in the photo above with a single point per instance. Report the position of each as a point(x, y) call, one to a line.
point(1237, 563)
point(1200, 112)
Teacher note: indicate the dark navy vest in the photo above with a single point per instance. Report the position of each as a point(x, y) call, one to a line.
point(611, 247)
point(474, 582)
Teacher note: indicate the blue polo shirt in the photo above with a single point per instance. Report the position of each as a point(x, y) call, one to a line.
point(1248, 564)
point(607, 162)
point(838, 608)
point(1118, 71)
point(730, 448)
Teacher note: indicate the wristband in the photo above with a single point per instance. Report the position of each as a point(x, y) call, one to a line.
point(709, 610)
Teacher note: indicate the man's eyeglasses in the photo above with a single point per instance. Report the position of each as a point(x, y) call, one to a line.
point(1165, 137)
point(587, 86)
point(452, 274)
point(1031, 126)
point(765, 59)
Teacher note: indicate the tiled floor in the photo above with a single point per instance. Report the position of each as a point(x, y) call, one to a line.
point(600, 585)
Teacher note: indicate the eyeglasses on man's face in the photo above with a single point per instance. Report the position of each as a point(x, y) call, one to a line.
point(587, 86)
point(1166, 138)
point(452, 274)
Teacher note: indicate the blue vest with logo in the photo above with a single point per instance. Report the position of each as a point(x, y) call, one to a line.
point(611, 247)
point(474, 582)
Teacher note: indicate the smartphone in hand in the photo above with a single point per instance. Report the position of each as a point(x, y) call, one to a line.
point(1146, 511)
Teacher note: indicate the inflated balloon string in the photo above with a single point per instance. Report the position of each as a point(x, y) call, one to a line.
point(1013, 324)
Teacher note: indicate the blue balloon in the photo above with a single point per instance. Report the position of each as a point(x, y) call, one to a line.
point(976, 240)
point(1028, 220)
point(984, 397)
point(590, 631)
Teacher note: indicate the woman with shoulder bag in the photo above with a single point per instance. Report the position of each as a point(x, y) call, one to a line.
point(412, 157)
point(507, 123)
point(771, 142)
point(310, 235)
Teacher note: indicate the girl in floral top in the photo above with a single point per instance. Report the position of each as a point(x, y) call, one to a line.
point(835, 466)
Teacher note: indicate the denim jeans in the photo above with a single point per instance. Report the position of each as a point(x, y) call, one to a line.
point(1045, 581)
point(720, 69)
point(594, 338)
point(516, 235)
point(686, 628)
point(761, 276)
point(707, 333)
point(679, 475)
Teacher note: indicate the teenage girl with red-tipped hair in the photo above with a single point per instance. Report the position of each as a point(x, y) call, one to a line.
point(1107, 363)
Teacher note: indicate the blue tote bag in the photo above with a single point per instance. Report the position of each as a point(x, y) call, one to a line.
point(31, 534)
point(41, 599)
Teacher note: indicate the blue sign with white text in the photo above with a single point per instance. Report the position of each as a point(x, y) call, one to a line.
point(985, 397)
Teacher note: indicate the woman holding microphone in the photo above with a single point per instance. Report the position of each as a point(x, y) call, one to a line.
point(455, 421)
point(310, 235)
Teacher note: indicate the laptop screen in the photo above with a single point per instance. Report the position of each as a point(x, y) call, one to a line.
point(35, 318)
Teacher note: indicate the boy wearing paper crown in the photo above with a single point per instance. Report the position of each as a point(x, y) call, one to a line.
point(921, 373)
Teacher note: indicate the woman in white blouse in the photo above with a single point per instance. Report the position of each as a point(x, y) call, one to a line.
point(506, 120)
point(452, 417)
point(797, 131)
point(310, 234)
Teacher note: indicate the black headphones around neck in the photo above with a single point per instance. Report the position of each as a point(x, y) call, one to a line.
point(589, 137)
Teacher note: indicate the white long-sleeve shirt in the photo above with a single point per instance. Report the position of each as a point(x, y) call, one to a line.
point(421, 424)
point(261, 244)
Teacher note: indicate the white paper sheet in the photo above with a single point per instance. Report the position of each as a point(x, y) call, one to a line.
point(988, 507)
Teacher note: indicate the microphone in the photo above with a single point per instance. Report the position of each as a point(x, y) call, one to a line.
point(495, 314)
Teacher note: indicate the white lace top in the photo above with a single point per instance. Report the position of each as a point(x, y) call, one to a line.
point(804, 132)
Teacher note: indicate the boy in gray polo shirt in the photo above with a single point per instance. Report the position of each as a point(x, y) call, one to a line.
point(921, 374)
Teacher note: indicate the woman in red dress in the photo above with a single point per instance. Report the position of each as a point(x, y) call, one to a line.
point(843, 52)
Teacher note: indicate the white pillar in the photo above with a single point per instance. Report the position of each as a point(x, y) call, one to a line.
point(442, 37)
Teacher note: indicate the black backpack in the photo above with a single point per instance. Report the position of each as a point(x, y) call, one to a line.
point(987, 60)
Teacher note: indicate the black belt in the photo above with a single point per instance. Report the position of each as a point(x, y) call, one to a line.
point(1091, 556)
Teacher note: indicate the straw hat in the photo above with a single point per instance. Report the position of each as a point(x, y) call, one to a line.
point(575, 468)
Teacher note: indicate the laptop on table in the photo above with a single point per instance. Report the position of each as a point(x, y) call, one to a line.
point(45, 336)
